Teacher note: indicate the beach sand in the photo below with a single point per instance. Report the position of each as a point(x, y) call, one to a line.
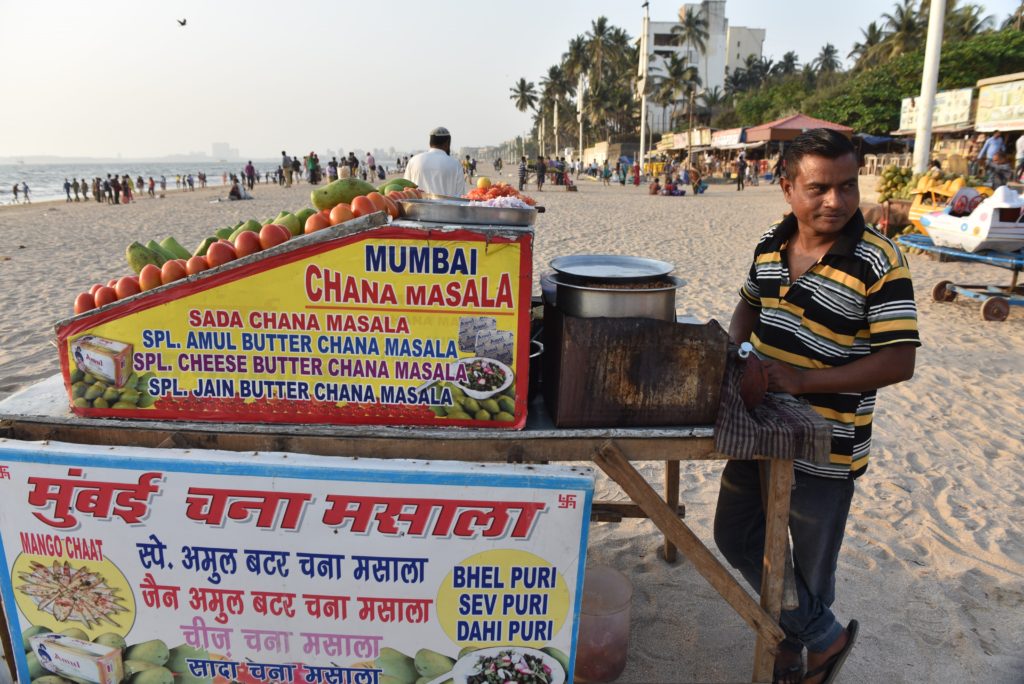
point(933, 563)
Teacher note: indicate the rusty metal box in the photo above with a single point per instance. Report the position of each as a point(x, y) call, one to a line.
point(628, 372)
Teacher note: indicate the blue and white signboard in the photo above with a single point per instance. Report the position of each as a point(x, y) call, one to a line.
point(160, 566)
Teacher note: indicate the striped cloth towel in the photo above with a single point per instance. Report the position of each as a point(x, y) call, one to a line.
point(781, 427)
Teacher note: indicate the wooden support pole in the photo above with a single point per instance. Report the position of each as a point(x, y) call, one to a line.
point(672, 499)
point(611, 460)
point(776, 546)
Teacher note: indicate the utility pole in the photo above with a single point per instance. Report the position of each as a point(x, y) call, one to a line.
point(929, 82)
point(689, 131)
point(579, 113)
point(556, 129)
point(642, 83)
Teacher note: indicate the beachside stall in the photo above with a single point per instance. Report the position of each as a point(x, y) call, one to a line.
point(164, 485)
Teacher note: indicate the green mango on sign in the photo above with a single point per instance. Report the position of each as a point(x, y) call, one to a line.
point(396, 664)
point(51, 679)
point(180, 655)
point(34, 630)
point(154, 651)
point(558, 655)
point(101, 403)
point(35, 669)
point(135, 666)
point(111, 395)
point(110, 639)
point(76, 633)
point(431, 663)
point(157, 675)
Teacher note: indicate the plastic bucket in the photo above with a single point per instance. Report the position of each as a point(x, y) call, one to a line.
point(603, 642)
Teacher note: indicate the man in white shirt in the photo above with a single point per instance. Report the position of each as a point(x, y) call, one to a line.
point(435, 170)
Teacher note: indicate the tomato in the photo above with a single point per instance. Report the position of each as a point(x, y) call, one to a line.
point(247, 243)
point(395, 196)
point(392, 207)
point(220, 253)
point(273, 234)
point(105, 295)
point(317, 222)
point(196, 264)
point(84, 302)
point(126, 287)
point(112, 282)
point(172, 271)
point(361, 206)
point(92, 290)
point(149, 277)
point(378, 201)
point(341, 213)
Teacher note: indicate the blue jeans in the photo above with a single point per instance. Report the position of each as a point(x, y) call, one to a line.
point(817, 520)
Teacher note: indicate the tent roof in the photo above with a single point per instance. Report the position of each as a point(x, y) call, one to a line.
point(791, 126)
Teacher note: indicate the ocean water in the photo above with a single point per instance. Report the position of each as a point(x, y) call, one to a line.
point(46, 181)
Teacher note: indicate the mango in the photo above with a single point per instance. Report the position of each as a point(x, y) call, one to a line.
point(134, 666)
point(388, 679)
point(438, 411)
point(130, 396)
point(490, 405)
point(77, 375)
point(180, 655)
point(460, 415)
point(470, 405)
point(34, 630)
point(156, 675)
point(504, 416)
point(88, 378)
point(396, 664)
point(153, 651)
point(402, 184)
point(145, 401)
point(482, 415)
point(50, 679)
point(100, 402)
point(123, 405)
point(252, 225)
point(138, 255)
point(78, 389)
point(507, 404)
point(466, 650)
point(81, 402)
point(111, 394)
point(224, 233)
point(155, 246)
point(342, 190)
point(75, 633)
point(291, 222)
point(204, 246)
point(35, 669)
point(111, 639)
point(172, 246)
point(304, 214)
point(431, 663)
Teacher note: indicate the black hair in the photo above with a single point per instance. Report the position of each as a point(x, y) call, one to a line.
point(440, 140)
point(817, 142)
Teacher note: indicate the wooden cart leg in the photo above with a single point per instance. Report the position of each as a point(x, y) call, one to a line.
point(610, 459)
point(672, 499)
point(776, 536)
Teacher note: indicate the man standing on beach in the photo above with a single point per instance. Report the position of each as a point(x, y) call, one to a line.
point(542, 169)
point(829, 308)
point(523, 170)
point(286, 164)
point(436, 170)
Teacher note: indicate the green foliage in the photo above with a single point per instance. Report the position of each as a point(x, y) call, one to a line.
point(781, 97)
point(869, 101)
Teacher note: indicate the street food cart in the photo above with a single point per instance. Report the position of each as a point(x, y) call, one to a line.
point(426, 417)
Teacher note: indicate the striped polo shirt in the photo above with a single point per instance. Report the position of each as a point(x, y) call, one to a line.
point(857, 298)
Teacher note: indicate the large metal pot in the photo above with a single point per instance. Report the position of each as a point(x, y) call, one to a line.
point(594, 301)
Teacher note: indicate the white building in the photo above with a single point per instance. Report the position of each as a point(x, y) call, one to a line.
point(727, 48)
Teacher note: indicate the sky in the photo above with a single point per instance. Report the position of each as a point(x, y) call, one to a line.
point(81, 79)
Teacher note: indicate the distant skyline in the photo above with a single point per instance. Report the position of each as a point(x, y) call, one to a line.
point(264, 76)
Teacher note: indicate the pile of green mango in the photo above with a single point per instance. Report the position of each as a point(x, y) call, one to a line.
point(501, 407)
point(148, 662)
point(343, 190)
point(425, 666)
point(157, 253)
point(88, 391)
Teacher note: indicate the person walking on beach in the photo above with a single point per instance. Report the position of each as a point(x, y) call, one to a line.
point(24, 192)
point(250, 174)
point(435, 170)
point(75, 187)
point(523, 171)
point(85, 190)
point(542, 169)
point(286, 164)
point(833, 347)
point(67, 189)
point(741, 170)
point(15, 191)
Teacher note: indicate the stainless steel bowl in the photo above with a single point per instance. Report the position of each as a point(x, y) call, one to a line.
point(594, 301)
point(457, 212)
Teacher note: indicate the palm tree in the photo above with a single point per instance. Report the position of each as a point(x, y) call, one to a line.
point(711, 99)
point(597, 45)
point(966, 22)
point(865, 52)
point(680, 80)
point(524, 95)
point(692, 30)
point(577, 60)
point(735, 82)
point(787, 65)
point(827, 60)
point(903, 29)
point(1015, 21)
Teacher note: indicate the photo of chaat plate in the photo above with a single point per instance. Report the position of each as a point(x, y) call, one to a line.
point(484, 377)
point(507, 664)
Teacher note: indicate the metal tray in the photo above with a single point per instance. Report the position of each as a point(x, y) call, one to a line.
point(451, 211)
point(610, 268)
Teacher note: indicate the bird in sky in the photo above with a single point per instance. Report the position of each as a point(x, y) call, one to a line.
point(182, 22)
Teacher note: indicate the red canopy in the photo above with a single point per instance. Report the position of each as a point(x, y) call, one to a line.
point(789, 127)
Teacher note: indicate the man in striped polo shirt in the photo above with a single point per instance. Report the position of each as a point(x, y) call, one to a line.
point(829, 307)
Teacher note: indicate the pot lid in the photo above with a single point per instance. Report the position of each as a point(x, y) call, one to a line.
point(609, 267)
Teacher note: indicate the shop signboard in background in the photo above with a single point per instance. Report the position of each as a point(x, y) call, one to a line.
point(287, 568)
point(393, 325)
point(1000, 105)
point(952, 108)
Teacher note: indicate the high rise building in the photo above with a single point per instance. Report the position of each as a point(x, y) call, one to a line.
point(726, 49)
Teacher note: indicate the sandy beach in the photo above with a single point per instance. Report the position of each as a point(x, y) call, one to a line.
point(933, 563)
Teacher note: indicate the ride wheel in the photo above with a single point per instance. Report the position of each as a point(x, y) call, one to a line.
point(995, 309)
point(941, 293)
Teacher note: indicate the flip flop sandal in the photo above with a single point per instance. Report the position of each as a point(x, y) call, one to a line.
point(830, 668)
